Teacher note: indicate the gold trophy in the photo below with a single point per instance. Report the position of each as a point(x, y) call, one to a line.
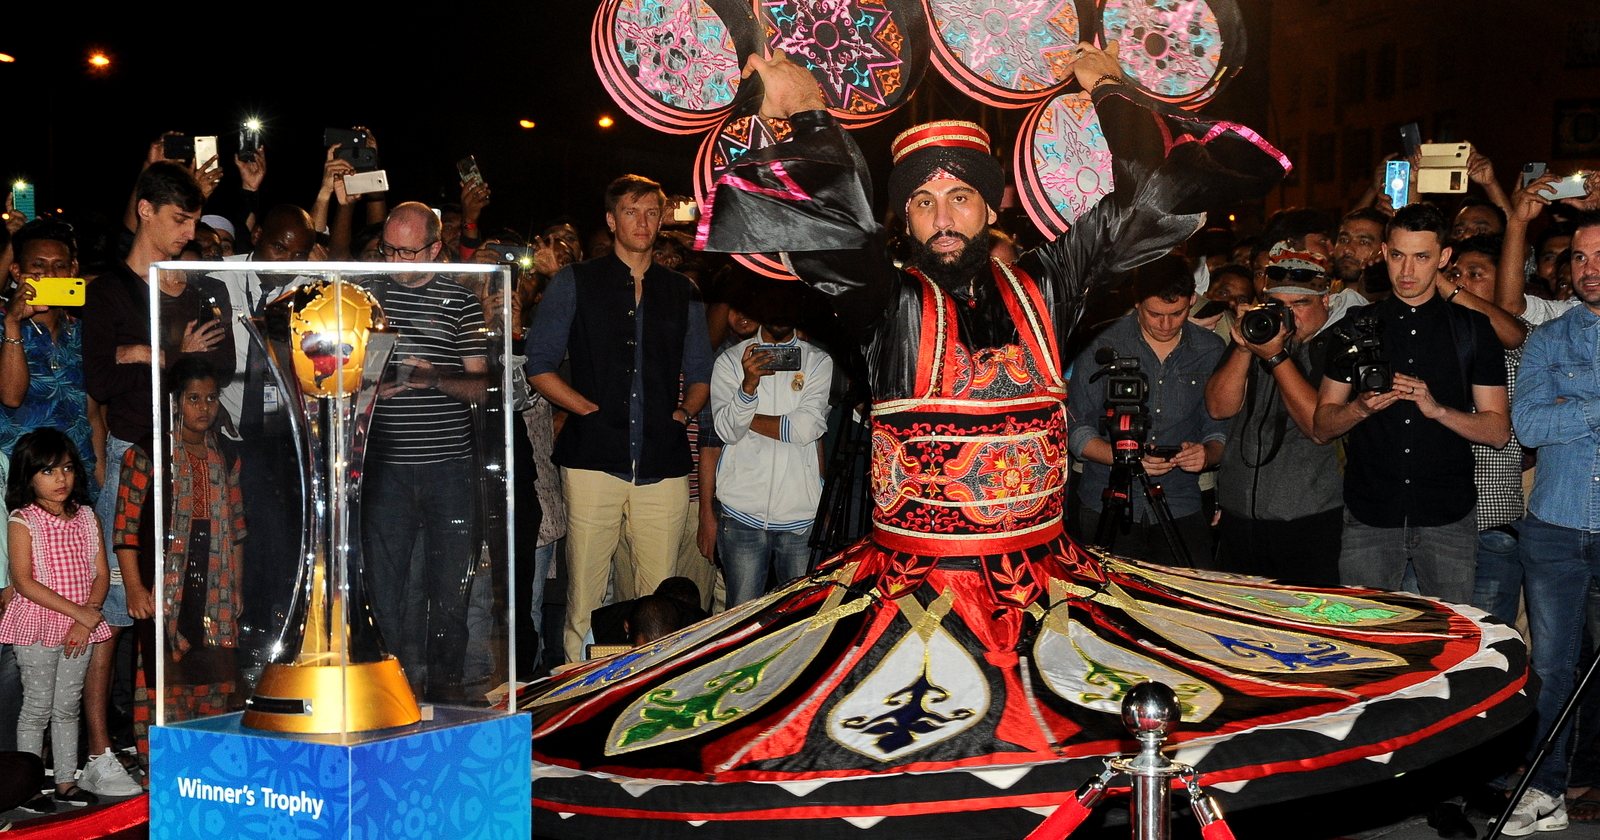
point(327, 344)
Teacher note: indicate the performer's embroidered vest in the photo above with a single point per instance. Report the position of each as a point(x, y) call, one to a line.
point(976, 462)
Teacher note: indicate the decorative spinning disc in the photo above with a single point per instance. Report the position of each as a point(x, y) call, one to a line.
point(868, 55)
point(1005, 54)
point(671, 64)
point(1178, 51)
point(1062, 161)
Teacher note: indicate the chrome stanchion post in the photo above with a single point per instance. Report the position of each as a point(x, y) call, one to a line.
point(1149, 710)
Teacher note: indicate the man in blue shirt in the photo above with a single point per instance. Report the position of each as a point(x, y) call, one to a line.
point(1557, 408)
point(628, 327)
point(1177, 357)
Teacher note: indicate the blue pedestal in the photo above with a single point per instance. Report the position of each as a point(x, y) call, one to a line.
point(464, 774)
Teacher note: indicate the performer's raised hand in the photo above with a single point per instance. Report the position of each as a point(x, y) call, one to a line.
point(788, 88)
point(1093, 66)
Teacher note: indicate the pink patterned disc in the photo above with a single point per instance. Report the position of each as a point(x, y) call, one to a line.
point(1008, 54)
point(671, 64)
point(868, 55)
point(1173, 49)
point(1063, 162)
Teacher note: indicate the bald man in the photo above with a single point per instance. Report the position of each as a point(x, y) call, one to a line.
point(419, 466)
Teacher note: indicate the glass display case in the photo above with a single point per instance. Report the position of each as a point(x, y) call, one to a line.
point(328, 467)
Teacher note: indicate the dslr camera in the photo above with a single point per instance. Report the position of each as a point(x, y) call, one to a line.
point(1260, 323)
point(1363, 354)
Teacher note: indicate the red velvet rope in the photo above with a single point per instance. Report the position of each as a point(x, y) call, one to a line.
point(1218, 830)
point(100, 822)
point(1062, 823)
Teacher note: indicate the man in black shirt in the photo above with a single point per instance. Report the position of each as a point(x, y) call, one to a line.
point(1408, 489)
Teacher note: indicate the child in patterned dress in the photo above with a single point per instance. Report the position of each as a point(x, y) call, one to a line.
point(59, 573)
point(202, 569)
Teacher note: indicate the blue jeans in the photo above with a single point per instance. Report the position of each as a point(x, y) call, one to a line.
point(1558, 564)
point(747, 553)
point(1443, 557)
point(402, 504)
point(1497, 584)
point(105, 507)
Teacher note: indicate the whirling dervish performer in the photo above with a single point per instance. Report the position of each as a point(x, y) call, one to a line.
point(959, 671)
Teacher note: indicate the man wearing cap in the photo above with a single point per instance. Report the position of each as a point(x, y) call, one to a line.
point(224, 231)
point(1408, 487)
point(1278, 485)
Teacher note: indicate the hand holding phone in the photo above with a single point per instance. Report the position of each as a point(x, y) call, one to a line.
point(1572, 186)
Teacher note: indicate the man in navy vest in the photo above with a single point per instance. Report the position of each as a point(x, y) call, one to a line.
point(628, 327)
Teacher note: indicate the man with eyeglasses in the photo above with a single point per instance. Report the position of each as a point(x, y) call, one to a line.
point(1408, 489)
point(419, 458)
point(1278, 485)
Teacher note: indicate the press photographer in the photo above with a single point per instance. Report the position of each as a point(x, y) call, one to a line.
point(1278, 485)
point(1176, 357)
point(1408, 488)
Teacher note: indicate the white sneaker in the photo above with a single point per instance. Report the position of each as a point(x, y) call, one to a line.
point(1536, 811)
point(104, 775)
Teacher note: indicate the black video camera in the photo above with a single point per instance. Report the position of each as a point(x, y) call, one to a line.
point(1126, 421)
point(1363, 354)
point(1260, 324)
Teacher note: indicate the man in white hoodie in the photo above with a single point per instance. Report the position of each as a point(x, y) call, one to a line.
point(769, 401)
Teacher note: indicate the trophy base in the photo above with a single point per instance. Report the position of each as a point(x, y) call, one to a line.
point(322, 698)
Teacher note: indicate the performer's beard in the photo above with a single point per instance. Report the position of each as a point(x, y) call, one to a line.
point(955, 269)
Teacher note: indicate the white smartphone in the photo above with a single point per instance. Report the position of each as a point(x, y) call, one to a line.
point(361, 183)
point(205, 148)
point(1573, 186)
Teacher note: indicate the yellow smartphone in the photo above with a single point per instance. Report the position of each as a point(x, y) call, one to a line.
point(58, 291)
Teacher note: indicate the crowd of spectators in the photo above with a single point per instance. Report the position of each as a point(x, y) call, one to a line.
point(1331, 400)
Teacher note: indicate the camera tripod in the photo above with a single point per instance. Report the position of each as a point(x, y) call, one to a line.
point(1116, 506)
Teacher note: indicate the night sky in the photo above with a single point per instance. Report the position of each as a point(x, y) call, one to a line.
point(432, 90)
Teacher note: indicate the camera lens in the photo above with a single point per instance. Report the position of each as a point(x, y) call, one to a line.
point(1260, 324)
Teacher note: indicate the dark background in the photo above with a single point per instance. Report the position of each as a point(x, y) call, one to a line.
point(433, 86)
point(1326, 81)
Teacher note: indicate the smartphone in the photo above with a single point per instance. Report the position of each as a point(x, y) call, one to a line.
point(352, 147)
point(1442, 180)
point(1410, 139)
point(1442, 168)
point(782, 356)
point(520, 254)
point(205, 148)
point(1397, 182)
point(1572, 186)
point(1164, 453)
point(249, 142)
point(57, 291)
point(22, 199)
point(686, 210)
point(177, 147)
point(1211, 309)
point(467, 168)
point(1531, 172)
point(362, 183)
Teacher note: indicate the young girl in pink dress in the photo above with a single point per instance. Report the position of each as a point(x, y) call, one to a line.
point(59, 572)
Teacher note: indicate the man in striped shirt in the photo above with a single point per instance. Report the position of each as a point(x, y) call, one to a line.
point(419, 470)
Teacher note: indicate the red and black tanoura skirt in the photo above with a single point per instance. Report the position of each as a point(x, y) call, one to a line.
point(959, 672)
